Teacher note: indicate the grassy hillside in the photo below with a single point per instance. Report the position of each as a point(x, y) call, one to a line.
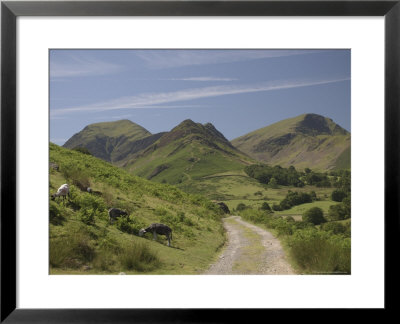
point(111, 141)
point(307, 140)
point(82, 240)
point(188, 152)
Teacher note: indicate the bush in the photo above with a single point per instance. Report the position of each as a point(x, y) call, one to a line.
point(336, 212)
point(77, 176)
point(290, 219)
point(241, 207)
point(128, 225)
point(296, 198)
point(265, 206)
point(56, 213)
point(87, 216)
point(334, 227)
point(338, 195)
point(276, 207)
point(314, 215)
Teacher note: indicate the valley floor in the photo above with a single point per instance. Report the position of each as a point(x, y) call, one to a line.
point(250, 250)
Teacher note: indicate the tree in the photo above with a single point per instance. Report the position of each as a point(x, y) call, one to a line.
point(336, 212)
point(265, 206)
point(338, 195)
point(273, 183)
point(314, 215)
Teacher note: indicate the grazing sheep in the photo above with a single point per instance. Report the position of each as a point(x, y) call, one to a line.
point(114, 213)
point(89, 190)
point(62, 191)
point(158, 229)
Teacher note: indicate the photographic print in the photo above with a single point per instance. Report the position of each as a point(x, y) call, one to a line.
point(208, 162)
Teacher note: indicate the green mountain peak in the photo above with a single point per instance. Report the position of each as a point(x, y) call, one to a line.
point(308, 140)
point(110, 141)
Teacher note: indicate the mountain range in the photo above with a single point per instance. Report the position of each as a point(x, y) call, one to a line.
point(192, 150)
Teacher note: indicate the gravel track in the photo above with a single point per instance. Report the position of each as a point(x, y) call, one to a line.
point(250, 250)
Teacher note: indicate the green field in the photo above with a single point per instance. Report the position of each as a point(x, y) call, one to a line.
point(234, 188)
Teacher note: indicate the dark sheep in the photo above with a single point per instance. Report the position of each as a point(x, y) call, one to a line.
point(160, 229)
point(114, 213)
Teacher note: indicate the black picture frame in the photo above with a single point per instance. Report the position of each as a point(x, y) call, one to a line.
point(10, 10)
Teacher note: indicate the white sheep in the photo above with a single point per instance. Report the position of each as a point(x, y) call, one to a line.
point(62, 191)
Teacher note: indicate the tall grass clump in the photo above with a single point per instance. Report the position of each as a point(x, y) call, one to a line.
point(319, 252)
point(77, 176)
point(72, 250)
point(138, 257)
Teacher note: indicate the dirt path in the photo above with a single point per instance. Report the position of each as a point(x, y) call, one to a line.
point(250, 250)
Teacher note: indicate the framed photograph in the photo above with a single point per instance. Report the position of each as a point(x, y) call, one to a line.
point(170, 161)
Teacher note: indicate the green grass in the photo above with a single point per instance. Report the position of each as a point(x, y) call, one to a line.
point(82, 240)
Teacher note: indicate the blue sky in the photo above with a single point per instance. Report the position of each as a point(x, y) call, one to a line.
point(237, 90)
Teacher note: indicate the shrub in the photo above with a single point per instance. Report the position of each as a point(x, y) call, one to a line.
point(290, 219)
point(334, 227)
point(77, 176)
point(336, 212)
point(241, 207)
point(283, 227)
point(296, 198)
point(87, 216)
point(56, 213)
point(276, 207)
point(129, 225)
point(303, 225)
point(265, 206)
point(314, 215)
point(90, 201)
point(338, 195)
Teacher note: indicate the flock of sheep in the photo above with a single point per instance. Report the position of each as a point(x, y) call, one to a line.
point(114, 213)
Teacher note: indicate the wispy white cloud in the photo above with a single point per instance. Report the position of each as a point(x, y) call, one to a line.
point(202, 79)
point(78, 66)
point(154, 100)
point(177, 58)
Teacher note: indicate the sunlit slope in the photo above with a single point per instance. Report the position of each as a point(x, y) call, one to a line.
point(307, 140)
point(83, 241)
point(112, 141)
point(189, 151)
